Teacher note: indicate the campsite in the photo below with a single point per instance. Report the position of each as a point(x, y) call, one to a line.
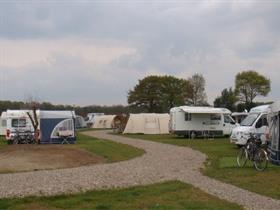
point(139, 105)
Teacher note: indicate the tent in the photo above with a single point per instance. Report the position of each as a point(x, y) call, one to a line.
point(56, 127)
point(104, 121)
point(148, 123)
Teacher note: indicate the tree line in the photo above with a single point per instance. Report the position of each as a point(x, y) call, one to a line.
point(114, 109)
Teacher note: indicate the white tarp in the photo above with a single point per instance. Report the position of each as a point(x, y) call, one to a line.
point(148, 123)
point(104, 121)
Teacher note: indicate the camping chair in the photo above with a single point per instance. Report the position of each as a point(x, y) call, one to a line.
point(65, 135)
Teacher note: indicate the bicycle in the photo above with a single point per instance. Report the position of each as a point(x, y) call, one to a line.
point(254, 152)
point(24, 137)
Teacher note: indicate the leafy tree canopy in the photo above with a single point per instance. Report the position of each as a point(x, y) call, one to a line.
point(249, 84)
point(158, 93)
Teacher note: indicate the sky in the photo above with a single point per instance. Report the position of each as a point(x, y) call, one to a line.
point(94, 52)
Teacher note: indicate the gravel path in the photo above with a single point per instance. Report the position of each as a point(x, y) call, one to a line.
point(161, 162)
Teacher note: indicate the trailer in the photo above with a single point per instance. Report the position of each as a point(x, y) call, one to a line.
point(190, 121)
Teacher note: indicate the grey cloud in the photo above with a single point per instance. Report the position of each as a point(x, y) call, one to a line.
point(178, 38)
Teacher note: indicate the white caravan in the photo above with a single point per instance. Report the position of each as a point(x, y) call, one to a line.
point(3, 124)
point(200, 121)
point(255, 123)
point(17, 120)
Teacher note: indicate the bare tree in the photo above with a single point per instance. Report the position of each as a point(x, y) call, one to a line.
point(32, 104)
point(197, 95)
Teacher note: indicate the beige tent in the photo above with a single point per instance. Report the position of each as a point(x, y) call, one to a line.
point(148, 124)
point(104, 121)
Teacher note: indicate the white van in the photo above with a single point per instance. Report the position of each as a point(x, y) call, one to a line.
point(255, 123)
point(200, 121)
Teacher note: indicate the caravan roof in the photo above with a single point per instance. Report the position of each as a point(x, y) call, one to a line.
point(259, 109)
point(204, 110)
point(16, 113)
point(56, 114)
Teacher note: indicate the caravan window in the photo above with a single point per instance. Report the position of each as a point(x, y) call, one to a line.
point(215, 117)
point(17, 123)
point(66, 126)
point(188, 116)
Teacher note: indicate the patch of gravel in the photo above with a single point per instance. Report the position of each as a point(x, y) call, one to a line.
point(161, 162)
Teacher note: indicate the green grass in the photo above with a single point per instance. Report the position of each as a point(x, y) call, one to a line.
point(221, 164)
point(2, 142)
point(164, 196)
point(110, 150)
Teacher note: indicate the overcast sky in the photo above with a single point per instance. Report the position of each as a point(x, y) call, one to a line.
point(93, 52)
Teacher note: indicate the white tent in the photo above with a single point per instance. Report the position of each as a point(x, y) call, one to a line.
point(104, 121)
point(148, 124)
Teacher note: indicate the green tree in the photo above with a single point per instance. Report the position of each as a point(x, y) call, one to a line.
point(249, 84)
point(197, 95)
point(227, 99)
point(158, 93)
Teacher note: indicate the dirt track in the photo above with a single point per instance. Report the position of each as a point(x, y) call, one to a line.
point(16, 158)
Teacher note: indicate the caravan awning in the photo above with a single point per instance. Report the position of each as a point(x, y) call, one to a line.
point(204, 110)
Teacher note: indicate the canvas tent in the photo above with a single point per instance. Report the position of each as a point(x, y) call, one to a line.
point(56, 126)
point(147, 123)
point(104, 121)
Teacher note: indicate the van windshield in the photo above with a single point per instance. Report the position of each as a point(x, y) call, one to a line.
point(249, 120)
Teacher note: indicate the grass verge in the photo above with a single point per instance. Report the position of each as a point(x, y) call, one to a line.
point(164, 196)
point(110, 150)
point(221, 164)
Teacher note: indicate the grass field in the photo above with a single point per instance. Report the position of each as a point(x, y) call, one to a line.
point(221, 164)
point(2, 142)
point(110, 150)
point(164, 196)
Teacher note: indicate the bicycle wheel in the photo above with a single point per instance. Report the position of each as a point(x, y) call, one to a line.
point(242, 157)
point(260, 160)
